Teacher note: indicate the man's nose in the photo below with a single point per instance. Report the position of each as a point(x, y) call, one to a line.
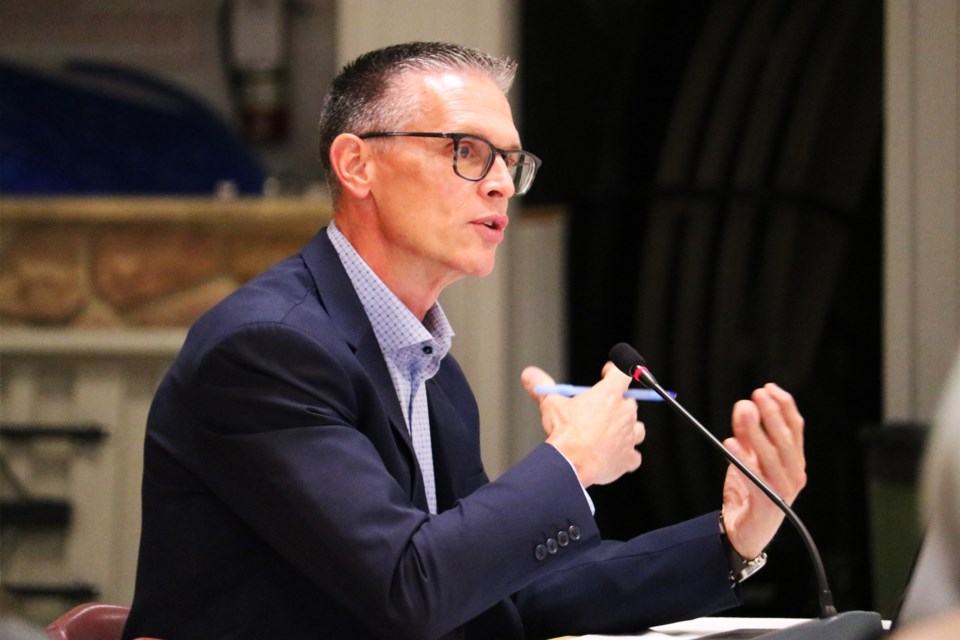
point(501, 178)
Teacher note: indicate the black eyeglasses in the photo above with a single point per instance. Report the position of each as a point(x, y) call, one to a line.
point(473, 157)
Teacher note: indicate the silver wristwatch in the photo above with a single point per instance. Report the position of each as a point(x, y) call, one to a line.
point(740, 568)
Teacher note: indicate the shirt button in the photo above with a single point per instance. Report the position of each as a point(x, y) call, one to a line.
point(540, 552)
point(574, 532)
point(563, 538)
point(552, 546)
point(427, 350)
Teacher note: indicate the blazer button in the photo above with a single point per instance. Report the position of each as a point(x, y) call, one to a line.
point(563, 538)
point(552, 546)
point(574, 532)
point(540, 552)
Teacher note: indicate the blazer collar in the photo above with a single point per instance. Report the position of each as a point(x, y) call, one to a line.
point(336, 294)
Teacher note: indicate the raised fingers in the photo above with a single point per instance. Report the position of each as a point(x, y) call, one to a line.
point(782, 424)
point(769, 430)
point(787, 409)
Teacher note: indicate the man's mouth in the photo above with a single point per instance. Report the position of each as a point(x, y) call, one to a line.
point(496, 223)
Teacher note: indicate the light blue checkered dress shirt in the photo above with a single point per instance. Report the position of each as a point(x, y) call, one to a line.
point(412, 350)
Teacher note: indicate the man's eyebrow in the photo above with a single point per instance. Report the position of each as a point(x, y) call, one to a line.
point(516, 146)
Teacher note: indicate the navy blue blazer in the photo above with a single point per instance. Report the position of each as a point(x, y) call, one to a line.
point(282, 497)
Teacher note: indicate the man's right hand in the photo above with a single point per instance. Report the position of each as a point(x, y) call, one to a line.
point(597, 431)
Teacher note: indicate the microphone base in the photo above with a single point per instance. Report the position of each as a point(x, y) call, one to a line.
point(849, 625)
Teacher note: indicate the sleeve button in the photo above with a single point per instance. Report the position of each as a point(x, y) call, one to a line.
point(574, 532)
point(540, 552)
point(552, 546)
point(563, 538)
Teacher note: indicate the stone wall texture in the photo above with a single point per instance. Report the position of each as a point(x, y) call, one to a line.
point(139, 268)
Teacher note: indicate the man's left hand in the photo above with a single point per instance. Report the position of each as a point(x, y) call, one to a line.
point(768, 437)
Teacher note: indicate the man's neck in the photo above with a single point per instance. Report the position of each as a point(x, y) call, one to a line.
point(417, 290)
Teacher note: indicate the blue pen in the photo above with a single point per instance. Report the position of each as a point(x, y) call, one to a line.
point(571, 390)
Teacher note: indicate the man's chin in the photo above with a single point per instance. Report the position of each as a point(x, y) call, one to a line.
point(484, 269)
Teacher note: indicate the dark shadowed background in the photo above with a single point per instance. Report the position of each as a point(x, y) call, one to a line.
point(721, 163)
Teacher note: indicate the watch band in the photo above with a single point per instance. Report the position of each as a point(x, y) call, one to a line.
point(740, 568)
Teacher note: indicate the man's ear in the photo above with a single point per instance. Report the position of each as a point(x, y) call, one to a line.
point(351, 161)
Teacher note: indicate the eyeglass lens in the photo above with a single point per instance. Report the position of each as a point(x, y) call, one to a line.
point(473, 158)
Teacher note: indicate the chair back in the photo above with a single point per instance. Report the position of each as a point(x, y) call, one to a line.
point(90, 621)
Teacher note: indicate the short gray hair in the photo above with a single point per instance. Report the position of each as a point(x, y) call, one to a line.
point(362, 96)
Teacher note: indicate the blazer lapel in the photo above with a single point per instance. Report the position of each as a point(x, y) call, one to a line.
point(342, 304)
point(449, 435)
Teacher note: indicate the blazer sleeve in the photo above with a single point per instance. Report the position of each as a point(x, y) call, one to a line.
point(285, 434)
point(675, 573)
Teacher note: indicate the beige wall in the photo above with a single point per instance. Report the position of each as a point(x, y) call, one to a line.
point(922, 201)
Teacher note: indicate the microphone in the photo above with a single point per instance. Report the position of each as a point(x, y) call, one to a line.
point(850, 625)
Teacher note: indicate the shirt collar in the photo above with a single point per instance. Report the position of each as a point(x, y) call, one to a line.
point(394, 325)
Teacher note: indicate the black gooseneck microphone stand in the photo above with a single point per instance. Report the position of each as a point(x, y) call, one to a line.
point(850, 625)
